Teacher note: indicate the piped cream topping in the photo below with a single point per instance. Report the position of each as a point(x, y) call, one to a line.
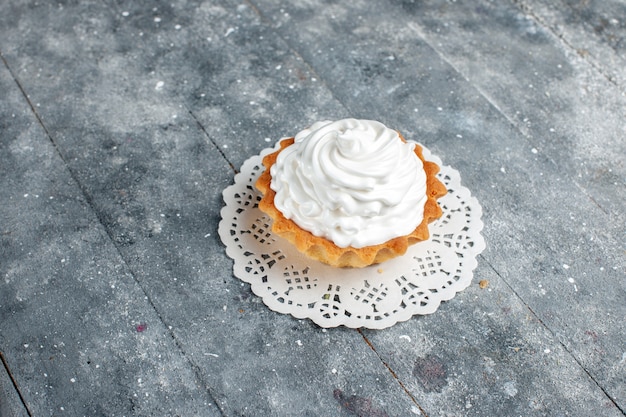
point(354, 182)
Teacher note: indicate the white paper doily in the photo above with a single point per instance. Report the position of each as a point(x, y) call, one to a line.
point(374, 297)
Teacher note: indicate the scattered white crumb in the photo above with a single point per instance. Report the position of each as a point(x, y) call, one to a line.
point(565, 266)
point(159, 85)
point(125, 14)
point(571, 280)
point(229, 31)
point(503, 170)
point(546, 351)
point(157, 19)
point(299, 342)
point(177, 27)
point(72, 380)
point(534, 150)
point(334, 371)
point(407, 337)
point(510, 389)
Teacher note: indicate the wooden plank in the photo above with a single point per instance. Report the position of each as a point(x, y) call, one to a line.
point(154, 179)
point(151, 108)
point(70, 310)
point(11, 405)
point(557, 106)
point(594, 29)
point(409, 64)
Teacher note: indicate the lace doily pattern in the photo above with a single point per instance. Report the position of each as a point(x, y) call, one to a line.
point(374, 297)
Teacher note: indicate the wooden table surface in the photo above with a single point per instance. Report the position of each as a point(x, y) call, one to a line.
point(121, 123)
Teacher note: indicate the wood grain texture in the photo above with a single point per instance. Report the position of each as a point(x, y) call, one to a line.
point(121, 124)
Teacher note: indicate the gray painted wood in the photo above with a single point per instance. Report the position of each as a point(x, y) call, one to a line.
point(595, 30)
point(11, 404)
point(141, 113)
point(517, 158)
point(78, 333)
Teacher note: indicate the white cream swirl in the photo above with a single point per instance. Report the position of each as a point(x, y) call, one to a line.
point(354, 182)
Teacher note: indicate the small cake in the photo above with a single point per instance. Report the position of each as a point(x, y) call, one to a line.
point(350, 193)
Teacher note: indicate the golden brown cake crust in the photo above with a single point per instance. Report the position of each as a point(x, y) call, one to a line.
point(326, 251)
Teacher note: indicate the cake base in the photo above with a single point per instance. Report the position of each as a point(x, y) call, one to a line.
point(324, 250)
